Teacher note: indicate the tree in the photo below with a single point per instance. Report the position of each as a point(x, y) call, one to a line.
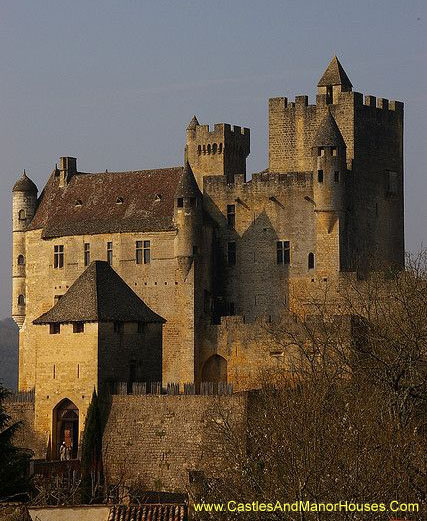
point(347, 419)
point(91, 459)
point(14, 461)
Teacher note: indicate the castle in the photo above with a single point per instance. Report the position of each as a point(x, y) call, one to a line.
point(159, 275)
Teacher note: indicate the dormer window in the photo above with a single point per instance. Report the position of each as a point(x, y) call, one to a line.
point(158, 198)
point(78, 202)
point(119, 200)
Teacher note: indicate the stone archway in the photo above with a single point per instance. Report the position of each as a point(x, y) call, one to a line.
point(215, 369)
point(65, 428)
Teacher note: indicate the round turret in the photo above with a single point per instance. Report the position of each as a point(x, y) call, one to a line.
point(24, 184)
point(187, 215)
point(24, 200)
point(329, 166)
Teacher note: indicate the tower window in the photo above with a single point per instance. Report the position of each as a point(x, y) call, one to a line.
point(320, 176)
point(320, 151)
point(86, 254)
point(110, 253)
point(21, 260)
point(336, 177)
point(214, 148)
point(21, 215)
point(199, 149)
point(231, 215)
point(334, 151)
point(180, 202)
point(311, 261)
point(54, 329)
point(78, 327)
point(283, 252)
point(231, 253)
point(21, 300)
point(58, 256)
point(147, 252)
point(209, 149)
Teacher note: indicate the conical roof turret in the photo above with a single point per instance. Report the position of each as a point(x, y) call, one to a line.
point(24, 184)
point(187, 186)
point(334, 75)
point(193, 124)
point(328, 133)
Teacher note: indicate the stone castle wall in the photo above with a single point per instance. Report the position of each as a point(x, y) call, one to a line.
point(158, 440)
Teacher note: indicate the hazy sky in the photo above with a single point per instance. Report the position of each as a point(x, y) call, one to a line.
point(114, 83)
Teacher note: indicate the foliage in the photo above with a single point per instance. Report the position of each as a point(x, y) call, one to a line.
point(14, 461)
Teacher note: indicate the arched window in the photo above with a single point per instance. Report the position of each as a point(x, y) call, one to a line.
point(214, 148)
point(21, 215)
point(21, 300)
point(311, 261)
point(199, 149)
point(21, 260)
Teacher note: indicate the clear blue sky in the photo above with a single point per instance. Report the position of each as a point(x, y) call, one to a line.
point(114, 83)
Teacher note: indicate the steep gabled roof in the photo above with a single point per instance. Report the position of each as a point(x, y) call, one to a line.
point(99, 295)
point(328, 133)
point(24, 184)
point(334, 75)
point(108, 202)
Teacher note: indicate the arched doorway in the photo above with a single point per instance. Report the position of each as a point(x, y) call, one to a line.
point(215, 369)
point(66, 428)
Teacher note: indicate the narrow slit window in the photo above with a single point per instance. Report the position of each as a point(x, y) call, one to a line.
point(147, 252)
point(58, 256)
point(320, 176)
point(21, 260)
point(311, 261)
point(86, 254)
point(110, 253)
point(231, 253)
point(21, 300)
point(231, 215)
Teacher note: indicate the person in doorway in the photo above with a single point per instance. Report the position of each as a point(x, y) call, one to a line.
point(63, 451)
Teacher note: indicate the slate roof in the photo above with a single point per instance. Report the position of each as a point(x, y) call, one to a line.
point(328, 133)
point(99, 295)
point(187, 186)
point(334, 75)
point(193, 123)
point(160, 512)
point(24, 184)
point(109, 202)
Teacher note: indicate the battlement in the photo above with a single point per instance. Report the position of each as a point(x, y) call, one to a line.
point(266, 182)
point(302, 101)
point(219, 129)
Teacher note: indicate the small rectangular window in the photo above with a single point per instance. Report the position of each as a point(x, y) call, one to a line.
point(86, 254)
point(78, 327)
point(54, 329)
point(231, 253)
point(138, 252)
point(58, 256)
point(320, 151)
point(231, 215)
point(283, 252)
point(180, 202)
point(320, 176)
point(147, 252)
point(110, 253)
point(336, 177)
point(334, 151)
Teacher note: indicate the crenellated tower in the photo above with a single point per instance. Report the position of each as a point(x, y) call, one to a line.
point(24, 201)
point(221, 151)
